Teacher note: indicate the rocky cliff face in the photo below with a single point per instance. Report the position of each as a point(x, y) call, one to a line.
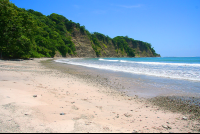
point(107, 49)
point(82, 44)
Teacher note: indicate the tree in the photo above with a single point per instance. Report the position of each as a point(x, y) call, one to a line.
point(15, 31)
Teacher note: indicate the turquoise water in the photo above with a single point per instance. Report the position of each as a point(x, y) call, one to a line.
point(153, 76)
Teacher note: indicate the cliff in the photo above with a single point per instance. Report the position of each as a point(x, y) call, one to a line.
point(83, 44)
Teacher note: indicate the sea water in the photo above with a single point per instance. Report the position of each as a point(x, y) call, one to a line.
point(151, 76)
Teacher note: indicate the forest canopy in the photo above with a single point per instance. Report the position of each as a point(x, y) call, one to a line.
point(30, 34)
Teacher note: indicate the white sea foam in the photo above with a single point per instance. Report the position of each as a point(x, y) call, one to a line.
point(62, 60)
point(162, 63)
point(108, 60)
point(169, 72)
point(171, 64)
point(154, 63)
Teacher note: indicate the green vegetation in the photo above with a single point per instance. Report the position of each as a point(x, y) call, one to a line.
point(28, 33)
point(123, 45)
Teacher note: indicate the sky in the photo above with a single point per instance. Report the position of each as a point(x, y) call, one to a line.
point(172, 27)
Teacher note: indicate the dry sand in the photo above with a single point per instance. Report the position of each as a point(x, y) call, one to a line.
point(86, 107)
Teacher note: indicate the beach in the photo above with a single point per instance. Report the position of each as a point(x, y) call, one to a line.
point(36, 96)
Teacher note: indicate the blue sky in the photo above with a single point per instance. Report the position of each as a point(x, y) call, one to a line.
point(171, 26)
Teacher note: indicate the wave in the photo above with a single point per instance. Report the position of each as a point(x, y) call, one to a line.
point(141, 71)
point(171, 70)
point(108, 60)
point(162, 63)
point(62, 61)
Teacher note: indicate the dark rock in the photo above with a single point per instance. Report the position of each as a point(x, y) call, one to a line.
point(127, 115)
point(34, 95)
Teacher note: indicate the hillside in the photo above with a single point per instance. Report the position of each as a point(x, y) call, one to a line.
point(28, 33)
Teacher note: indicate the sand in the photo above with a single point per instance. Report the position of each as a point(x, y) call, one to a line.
point(34, 98)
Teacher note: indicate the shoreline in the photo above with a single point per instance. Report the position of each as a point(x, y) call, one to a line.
point(86, 106)
point(181, 103)
point(147, 85)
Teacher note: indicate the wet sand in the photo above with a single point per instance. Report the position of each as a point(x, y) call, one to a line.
point(44, 97)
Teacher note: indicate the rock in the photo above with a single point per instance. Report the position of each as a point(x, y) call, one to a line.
point(117, 116)
point(34, 95)
point(127, 115)
point(62, 113)
point(166, 127)
point(184, 118)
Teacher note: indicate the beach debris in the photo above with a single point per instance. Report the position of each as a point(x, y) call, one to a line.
point(62, 113)
point(34, 95)
point(184, 118)
point(127, 115)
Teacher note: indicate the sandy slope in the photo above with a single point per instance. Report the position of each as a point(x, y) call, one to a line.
point(86, 106)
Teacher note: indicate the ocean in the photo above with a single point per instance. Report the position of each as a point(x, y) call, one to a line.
point(149, 76)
